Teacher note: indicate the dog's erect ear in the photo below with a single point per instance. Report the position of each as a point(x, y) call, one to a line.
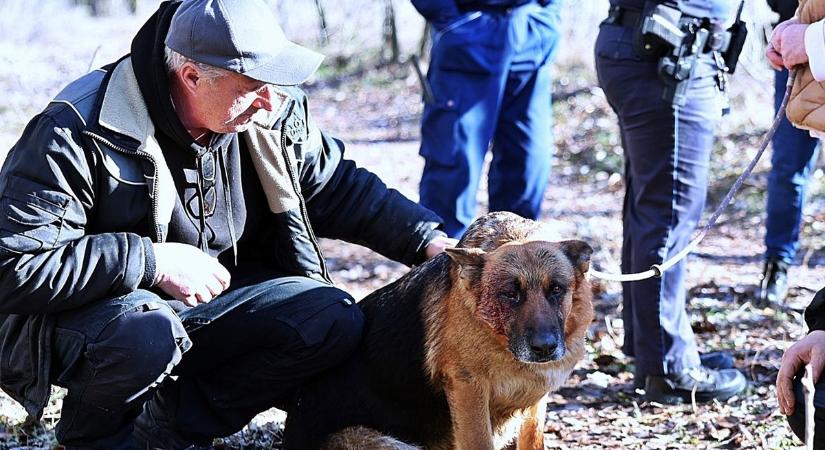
point(579, 253)
point(470, 261)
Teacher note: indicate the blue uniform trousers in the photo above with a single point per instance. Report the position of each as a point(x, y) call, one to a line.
point(666, 173)
point(794, 155)
point(251, 348)
point(490, 76)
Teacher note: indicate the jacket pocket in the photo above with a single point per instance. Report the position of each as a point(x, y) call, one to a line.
point(31, 216)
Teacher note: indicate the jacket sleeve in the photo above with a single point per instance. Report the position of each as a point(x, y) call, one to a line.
point(815, 49)
point(815, 312)
point(437, 11)
point(353, 204)
point(48, 262)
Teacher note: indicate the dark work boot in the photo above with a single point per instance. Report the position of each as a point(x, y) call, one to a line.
point(706, 384)
point(153, 432)
point(773, 286)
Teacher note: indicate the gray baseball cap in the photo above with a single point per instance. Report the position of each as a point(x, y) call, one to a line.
point(242, 36)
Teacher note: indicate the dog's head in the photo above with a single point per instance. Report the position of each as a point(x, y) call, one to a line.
point(533, 294)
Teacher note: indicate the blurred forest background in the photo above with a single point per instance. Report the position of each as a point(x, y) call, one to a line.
point(367, 93)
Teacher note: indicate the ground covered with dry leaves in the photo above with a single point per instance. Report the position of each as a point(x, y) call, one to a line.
point(377, 112)
point(599, 408)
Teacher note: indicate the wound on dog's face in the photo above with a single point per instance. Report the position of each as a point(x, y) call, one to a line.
point(526, 297)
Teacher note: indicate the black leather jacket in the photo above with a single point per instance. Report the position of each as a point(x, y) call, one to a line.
point(85, 192)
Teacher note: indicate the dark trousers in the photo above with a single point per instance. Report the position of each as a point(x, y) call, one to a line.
point(251, 348)
point(797, 420)
point(490, 76)
point(793, 158)
point(666, 170)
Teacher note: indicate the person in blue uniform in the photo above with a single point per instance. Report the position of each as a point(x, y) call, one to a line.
point(667, 148)
point(490, 79)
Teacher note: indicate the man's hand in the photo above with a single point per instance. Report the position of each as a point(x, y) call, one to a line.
point(809, 350)
point(787, 45)
point(793, 46)
point(438, 245)
point(188, 274)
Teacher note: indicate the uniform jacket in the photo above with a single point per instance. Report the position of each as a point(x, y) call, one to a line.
point(442, 12)
point(86, 191)
point(806, 106)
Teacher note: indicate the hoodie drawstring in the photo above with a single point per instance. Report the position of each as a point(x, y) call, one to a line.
point(228, 201)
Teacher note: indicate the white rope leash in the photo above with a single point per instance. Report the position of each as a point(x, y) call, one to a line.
point(657, 270)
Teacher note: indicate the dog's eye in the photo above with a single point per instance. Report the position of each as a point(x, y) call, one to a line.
point(511, 296)
point(555, 292)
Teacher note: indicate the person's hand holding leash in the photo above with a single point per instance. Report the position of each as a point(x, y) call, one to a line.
point(787, 46)
point(809, 350)
point(793, 45)
point(188, 274)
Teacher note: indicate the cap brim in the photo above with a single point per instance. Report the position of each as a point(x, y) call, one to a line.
point(293, 65)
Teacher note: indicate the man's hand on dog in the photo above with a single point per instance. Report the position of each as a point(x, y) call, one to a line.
point(188, 274)
point(438, 245)
point(809, 350)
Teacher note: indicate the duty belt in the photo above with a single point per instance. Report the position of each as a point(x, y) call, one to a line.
point(630, 18)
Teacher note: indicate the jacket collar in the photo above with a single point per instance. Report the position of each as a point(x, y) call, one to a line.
point(123, 109)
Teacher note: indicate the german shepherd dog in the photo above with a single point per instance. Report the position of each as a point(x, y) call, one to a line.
point(460, 352)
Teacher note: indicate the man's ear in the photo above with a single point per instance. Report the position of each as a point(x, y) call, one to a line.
point(189, 76)
point(470, 261)
point(578, 252)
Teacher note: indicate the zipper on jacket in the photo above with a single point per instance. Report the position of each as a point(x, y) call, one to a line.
point(158, 234)
point(297, 186)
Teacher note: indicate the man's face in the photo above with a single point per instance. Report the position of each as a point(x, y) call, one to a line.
point(227, 103)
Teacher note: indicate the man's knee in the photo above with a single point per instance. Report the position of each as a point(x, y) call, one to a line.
point(136, 351)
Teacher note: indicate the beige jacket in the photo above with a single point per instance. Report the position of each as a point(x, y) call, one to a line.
point(806, 107)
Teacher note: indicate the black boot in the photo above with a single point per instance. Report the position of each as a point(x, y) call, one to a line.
point(153, 430)
point(706, 384)
point(773, 287)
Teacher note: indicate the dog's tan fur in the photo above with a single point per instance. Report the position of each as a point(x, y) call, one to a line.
point(495, 399)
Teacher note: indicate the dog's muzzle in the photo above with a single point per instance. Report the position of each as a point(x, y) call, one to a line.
point(538, 347)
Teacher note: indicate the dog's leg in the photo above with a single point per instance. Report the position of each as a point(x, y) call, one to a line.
point(363, 438)
point(531, 434)
point(470, 415)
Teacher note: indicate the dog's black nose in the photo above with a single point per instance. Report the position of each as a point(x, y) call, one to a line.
point(544, 344)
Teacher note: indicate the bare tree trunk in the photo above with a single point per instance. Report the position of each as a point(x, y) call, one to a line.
point(390, 35)
point(322, 20)
point(97, 7)
point(424, 43)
